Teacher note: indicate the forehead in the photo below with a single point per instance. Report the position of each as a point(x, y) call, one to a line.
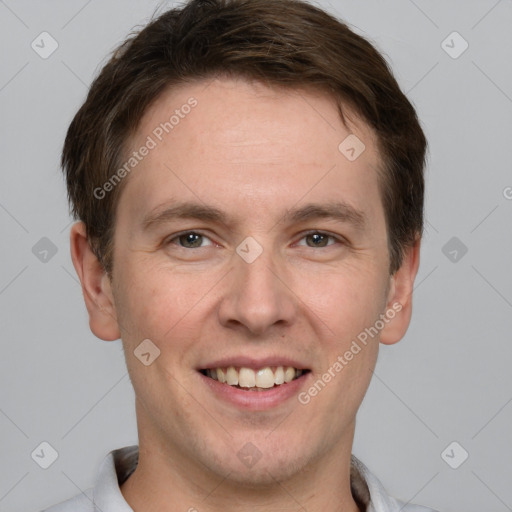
point(223, 138)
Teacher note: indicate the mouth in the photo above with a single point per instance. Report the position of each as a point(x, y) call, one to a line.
point(249, 379)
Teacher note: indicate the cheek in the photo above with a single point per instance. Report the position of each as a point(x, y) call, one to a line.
point(346, 301)
point(159, 303)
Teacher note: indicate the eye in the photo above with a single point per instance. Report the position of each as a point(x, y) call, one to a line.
point(318, 239)
point(190, 240)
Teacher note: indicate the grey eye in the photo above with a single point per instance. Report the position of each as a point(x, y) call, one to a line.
point(317, 239)
point(190, 240)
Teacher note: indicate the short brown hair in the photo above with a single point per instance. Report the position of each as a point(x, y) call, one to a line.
point(286, 43)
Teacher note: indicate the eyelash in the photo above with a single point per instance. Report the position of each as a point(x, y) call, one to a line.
point(337, 239)
point(176, 237)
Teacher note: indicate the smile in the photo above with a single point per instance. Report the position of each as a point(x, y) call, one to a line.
point(249, 379)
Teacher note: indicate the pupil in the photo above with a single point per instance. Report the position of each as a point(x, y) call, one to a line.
point(191, 240)
point(318, 239)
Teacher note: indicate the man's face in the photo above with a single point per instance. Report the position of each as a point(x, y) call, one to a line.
point(248, 161)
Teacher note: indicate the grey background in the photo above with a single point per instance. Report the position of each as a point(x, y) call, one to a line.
point(448, 380)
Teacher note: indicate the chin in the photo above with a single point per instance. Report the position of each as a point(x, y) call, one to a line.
point(261, 463)
point(266, 472)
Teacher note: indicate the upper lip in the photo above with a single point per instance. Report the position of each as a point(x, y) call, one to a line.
point(254, 363)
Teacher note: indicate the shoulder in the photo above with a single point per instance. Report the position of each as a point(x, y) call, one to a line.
point(370, 492)
point(106, 494)
point(413, 508)
point(80, 503)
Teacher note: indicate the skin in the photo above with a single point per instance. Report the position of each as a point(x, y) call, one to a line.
point(254, 153)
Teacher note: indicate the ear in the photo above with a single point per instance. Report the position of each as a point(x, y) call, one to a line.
point(399, 305)
point(96, 286)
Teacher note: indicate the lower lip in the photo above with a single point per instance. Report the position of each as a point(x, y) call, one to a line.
point(256, 400)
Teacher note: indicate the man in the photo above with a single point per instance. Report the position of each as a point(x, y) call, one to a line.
point(248, 178)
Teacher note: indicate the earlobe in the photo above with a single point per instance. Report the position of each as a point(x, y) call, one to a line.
point(96, 286)
point(399, 305)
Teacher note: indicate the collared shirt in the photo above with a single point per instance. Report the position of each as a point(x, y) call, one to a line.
point(119, 464)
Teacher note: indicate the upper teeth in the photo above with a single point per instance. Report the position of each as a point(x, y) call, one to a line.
point(249, 378)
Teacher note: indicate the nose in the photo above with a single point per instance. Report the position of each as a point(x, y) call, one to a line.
point(257, 298)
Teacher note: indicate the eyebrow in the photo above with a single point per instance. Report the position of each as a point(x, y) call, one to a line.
point(186, 210)
point(339, 211)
